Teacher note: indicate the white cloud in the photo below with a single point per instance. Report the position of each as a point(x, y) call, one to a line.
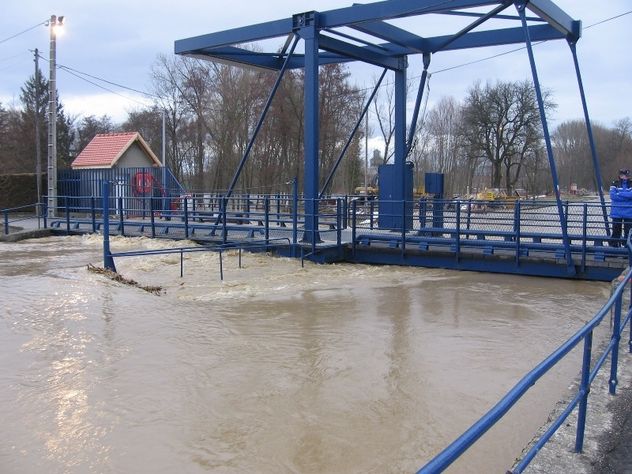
point(115, 106)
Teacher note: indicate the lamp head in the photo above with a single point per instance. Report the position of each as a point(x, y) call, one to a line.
point(57, 24)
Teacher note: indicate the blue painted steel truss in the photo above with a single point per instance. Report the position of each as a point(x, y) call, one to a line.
point(389, 48)
point(370, 19)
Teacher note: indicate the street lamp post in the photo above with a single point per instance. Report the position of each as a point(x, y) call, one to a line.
point(54, 23)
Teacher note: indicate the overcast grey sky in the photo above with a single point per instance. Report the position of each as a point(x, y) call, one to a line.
point(119, 40)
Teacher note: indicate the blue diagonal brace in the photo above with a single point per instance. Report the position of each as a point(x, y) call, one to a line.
point(591, 139)
point(355, 129)
point(473, 25)
point(420, 93)
point(264, 112)
point(520, 5)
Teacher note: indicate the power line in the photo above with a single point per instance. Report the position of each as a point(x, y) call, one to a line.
point(78, 75)
point(68, 69)
point(8, 58)
point(524, 47)
point(101, 87)
point(608, 19)
point(22, 32)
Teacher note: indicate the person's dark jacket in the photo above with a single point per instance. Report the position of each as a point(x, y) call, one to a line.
point(621, 197)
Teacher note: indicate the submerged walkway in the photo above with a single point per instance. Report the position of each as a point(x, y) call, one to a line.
point(503, 241)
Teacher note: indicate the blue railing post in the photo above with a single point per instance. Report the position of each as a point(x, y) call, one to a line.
point(315, 231)
point(403, 228)
point(186, 217)
point(354, 206)
point(108, 261)
point(584, 234)
point(584, 391)
point(266, 217)
point(616, 336)
point(67, 212)
point(295, 211)
point(371, 210)
point(221, 267)
point(345, 212)
point(458, 230)
point(630, 336)
point(422, 213)
point(339, 206)
point(152, 218)
point(517, 230)
point(120, 212)
point(6, 221)
point(224, 223)
point(93, 214)
point(468, 220)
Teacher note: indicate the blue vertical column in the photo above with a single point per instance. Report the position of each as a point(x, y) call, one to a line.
point(401, 147)
point(400, 131)
point(307, 25)
point(108, 261)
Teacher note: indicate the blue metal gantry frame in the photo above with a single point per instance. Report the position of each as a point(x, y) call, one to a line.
point(389, 48)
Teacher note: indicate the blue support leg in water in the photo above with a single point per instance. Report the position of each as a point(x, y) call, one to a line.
point(108, 260)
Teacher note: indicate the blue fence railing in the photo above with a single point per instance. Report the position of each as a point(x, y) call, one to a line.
point(518, 229)
point(580, 399)
point(13, 216)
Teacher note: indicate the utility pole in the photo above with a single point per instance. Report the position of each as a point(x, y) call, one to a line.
point(54, 23)
point(38, 144)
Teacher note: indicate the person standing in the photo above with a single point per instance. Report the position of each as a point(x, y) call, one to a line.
point(621, 208)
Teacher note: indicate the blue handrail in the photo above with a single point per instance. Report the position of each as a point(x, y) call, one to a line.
point(7, 211)
point(478, 429)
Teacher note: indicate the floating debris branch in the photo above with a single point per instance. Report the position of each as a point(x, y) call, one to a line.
point(156, 290)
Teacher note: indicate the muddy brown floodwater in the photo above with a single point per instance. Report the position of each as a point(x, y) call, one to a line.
point(322, 369)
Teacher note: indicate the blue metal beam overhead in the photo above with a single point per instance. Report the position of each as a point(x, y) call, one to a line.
point(556, 17)
point(364, 54)
point(477, 39)
point(246, 34)
point(369, 18)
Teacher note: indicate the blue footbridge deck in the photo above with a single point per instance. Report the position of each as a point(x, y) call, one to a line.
point(518, 237)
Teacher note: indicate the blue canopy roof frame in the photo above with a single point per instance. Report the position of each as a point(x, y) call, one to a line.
point(388, 48)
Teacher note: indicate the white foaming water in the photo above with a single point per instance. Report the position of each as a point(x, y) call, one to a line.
point(279, 368)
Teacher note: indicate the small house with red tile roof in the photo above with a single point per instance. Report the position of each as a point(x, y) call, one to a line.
point(116, 150)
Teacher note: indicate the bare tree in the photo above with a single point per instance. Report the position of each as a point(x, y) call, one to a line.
point(90, 126)
point(502, 124)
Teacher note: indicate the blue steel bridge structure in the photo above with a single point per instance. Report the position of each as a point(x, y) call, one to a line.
point(368, 33)
point(554, 237)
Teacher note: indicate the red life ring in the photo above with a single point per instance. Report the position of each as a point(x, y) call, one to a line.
point(143, 183)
